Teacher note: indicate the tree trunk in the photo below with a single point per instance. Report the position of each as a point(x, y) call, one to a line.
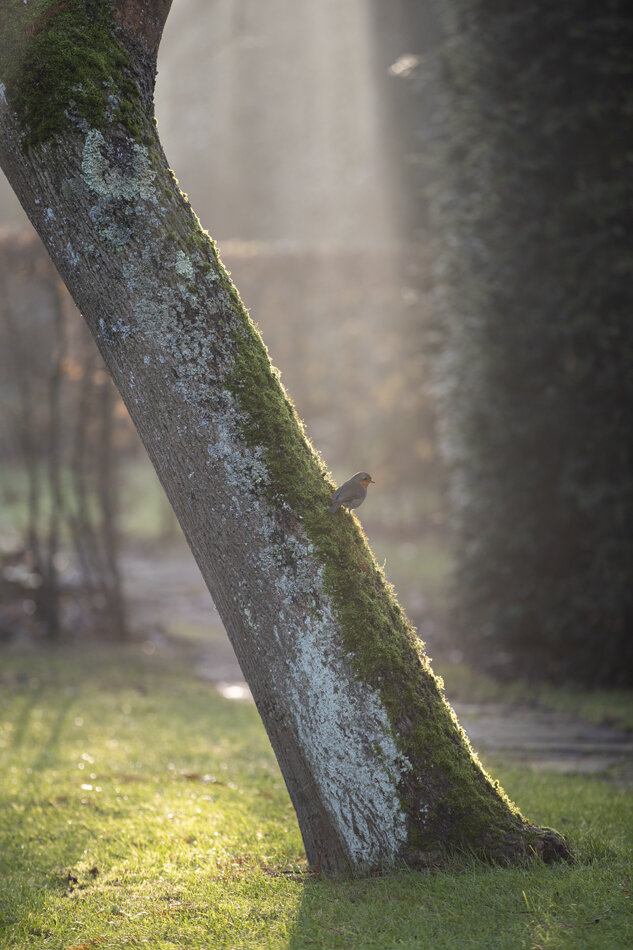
point(26, 438)
point(108, 490)
point(50, 593)
point(377, 766)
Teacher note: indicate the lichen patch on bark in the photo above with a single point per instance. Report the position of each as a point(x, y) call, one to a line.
point(117, 169)
point(348, 739)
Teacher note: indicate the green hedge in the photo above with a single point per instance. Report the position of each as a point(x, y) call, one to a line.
point(536, 384)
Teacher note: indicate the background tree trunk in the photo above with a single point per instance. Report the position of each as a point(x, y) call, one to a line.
point(376, 764)
point(63, 431)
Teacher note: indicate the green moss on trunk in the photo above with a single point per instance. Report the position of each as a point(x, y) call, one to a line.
point(63, 68)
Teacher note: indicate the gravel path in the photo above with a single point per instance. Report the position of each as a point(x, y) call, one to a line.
point(168, 596)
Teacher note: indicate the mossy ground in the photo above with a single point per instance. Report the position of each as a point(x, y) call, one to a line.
point(147, 811)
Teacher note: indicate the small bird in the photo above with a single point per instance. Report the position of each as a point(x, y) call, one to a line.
point(352, 493)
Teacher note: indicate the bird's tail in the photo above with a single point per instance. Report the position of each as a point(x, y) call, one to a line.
point(335, 507)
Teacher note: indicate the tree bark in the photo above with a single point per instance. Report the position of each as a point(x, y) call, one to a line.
point(377, 767)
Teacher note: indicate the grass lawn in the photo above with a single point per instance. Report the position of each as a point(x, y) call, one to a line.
point(140, 809)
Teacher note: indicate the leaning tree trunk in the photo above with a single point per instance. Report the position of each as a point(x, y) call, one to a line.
point(377, 766)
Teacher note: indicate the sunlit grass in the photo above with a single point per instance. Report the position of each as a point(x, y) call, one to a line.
point(141, 809)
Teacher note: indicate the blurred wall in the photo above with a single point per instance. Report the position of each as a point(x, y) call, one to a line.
point(268, 115)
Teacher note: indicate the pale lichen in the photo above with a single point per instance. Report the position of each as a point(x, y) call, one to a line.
point(347, 738)
point(117, 168)
point(183, 266)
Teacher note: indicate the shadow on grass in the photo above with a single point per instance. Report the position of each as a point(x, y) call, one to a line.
point(39, 843)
